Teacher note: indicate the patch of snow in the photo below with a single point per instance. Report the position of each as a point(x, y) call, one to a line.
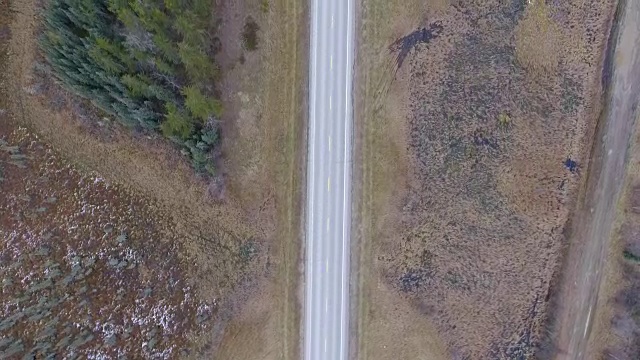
point(166, 354)
point(163, 315)
point(97, 354)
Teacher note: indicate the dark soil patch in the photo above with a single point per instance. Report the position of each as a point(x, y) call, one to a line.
point(250, 34)
point(421, 36)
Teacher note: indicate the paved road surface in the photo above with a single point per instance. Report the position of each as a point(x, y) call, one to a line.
point(596, 218)
point(329, 181)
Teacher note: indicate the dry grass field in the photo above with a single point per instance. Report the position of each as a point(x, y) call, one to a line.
point(237, 236)
point(473, 152)
point(264, 152)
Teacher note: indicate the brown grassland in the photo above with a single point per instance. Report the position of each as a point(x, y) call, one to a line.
point(234, 240)
point(466, 186)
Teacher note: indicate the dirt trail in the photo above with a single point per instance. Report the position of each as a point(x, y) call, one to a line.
point(595, 216)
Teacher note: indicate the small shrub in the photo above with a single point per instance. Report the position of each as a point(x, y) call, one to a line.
point(177, 124)
point(264, 6)
point(201, 106)
point(250, 34)
point(504, 120)
point(628, 255)
point(196, 62)
point(248, 250)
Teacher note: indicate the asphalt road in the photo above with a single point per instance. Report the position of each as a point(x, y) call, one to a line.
point(328, 212)
point(596, 218)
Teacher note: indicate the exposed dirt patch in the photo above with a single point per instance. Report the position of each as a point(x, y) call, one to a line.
point(493, 116)
point(243, 126)
point(539, 40)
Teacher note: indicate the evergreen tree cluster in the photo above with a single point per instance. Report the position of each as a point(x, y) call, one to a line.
point(147, 62)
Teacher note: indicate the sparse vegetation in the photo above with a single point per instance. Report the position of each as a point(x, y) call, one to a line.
point(148, 63)
point(628, 255)
point(623, 295)
point(625, 323)
point(504, 120)
point(264, 6)
point(250, 34)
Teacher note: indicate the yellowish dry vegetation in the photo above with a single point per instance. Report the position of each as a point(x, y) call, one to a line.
point(266, 148)
point(381, 138)
point(539, 39)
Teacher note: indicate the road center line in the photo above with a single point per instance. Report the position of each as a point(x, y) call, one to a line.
point(325, 246)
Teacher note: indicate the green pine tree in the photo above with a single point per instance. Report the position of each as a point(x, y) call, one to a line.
point(201, 106)
point(176, 124)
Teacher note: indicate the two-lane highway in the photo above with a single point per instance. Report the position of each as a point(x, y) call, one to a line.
point(328, 211)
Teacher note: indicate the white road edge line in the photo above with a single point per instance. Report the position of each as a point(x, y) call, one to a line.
point(311, 200)
point(346, 167)
point(586, 324)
